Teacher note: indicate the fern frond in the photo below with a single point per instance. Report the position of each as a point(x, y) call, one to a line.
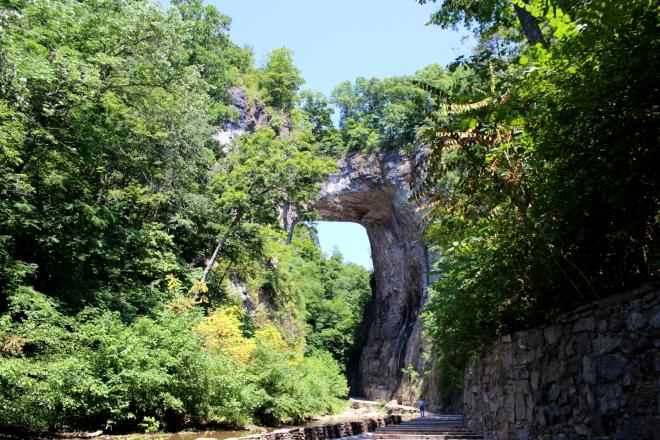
point(458, 109)
point(433, 90)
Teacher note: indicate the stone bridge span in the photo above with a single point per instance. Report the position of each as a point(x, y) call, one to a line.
point(374, 190)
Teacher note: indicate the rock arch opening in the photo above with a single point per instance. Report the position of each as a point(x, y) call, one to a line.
point(374, 191)
point(349, 238)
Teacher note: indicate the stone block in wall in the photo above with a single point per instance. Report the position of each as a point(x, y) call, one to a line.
point(636, 321)
point(610, 367)
point(552, 334)
point(655, 320)
point(616, 322)
point(644, 399)
point(650, 363)
point(520, 409)
point(551, 372)
point(607, 343)
point(609, 398)
point(588, 370)
point(573, 368)
point(509, 406)
point(534, 380)
point(552, 414)
point(635, 344)
point(628, 428)
point(584, 324)
point(590, 394)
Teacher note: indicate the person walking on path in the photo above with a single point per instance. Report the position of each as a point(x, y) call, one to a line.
point(421, 407)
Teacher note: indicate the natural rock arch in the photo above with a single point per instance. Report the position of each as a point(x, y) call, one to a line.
point(375, 191)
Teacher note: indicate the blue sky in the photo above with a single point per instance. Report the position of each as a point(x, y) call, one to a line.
point(339, 40)
point(350, 238)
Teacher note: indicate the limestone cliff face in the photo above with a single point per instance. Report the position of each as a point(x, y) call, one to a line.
point(375, 191)
point(252, 115)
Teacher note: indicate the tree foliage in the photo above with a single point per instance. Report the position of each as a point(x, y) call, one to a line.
point(317, 126)
point(378, 114)
point(491, 16)
point(280, 79)
point(542, 185)
point(92, 370)
point(113, 195)
point(114, 148)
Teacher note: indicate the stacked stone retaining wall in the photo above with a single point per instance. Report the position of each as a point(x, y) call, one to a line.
point(591, 374)
point(335, 430)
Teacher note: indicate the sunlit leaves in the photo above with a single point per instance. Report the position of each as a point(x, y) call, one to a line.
point(540, 208)
point(222, 331)
point(379, 114)
point(280, 79)
point(111, 192)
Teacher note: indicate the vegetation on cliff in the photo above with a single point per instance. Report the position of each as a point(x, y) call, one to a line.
point(542, 180)
point(113, 198)
point(541, 185)
point(146, 278)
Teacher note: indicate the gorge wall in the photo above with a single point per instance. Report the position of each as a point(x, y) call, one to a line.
point(593, 373)
point(375, 191)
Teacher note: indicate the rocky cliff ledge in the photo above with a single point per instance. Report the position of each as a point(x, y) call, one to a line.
point(251, 114)
point(374, 191)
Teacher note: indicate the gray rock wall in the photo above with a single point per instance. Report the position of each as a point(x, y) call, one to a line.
point(591, 374)
point(252, 115)
point(375, 191)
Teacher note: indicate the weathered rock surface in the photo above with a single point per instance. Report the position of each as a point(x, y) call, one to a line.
point(374, 191)
point(594, 373)
point(252, 115)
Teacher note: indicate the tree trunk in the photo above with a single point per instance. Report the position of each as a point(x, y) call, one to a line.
point(224, 274)
point(289, 232)
point(289, 219)
point(219, 247)
point(530, 26)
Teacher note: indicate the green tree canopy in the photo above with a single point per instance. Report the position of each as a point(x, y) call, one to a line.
point(280, 79)
point(539, 176)
point(113, 194)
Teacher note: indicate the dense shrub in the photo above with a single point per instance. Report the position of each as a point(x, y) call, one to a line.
point(294, 386)
point(94, 371)
point(113, 196)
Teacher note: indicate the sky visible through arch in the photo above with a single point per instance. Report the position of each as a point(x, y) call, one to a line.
point(349, 238)
point(339, 40)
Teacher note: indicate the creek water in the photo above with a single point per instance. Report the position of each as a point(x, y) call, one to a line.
point(223, 435)
point(217, 435)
